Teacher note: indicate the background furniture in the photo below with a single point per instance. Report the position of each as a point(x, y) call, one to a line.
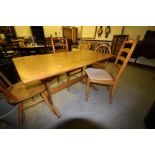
point(59, 44)
point(93, 43)
point(9, 33)
point(38, 34)
point(117, 43)
point(145, 49)
point(6, 49)
point(70, 33)
point(111, 78)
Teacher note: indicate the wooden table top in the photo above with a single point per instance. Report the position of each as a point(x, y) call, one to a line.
point(38, 67)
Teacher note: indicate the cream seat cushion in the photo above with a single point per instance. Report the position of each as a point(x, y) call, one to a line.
point(98, 74)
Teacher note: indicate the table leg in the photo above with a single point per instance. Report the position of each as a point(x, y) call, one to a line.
point(50, 101)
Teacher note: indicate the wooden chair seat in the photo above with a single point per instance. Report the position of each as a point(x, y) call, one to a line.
point(23, 92)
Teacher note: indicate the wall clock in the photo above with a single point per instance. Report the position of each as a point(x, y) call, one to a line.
point(107, 31)
point(100, 31)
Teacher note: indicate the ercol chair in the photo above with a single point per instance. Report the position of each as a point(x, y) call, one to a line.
point(48, 44)
point(101, 76)
point(59, 44)
point(82, 46)
point(85, 46)
point(103, 48)
point(18, 93)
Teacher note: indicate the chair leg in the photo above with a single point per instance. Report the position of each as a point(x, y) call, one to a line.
point(112, 91)
point(58, 78)
point(87, 88)
point(135, 62)
point(110, 97)
point(82, 69)
point(20, 115)
point(68, 79)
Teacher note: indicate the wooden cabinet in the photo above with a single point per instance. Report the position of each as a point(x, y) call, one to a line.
point(70, 33)
point(117, 43)
point(38, 34)
point(8, 32)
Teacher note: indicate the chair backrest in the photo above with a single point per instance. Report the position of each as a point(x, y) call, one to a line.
point(4, 85)
point(59, 44)
point(123, 58)
point(84, 46)
point(103, 48)
point(48, 41)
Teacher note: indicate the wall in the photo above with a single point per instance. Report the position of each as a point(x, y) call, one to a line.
point(50, 30)
point(23, 31)
point(132, 31)
point(114, 31)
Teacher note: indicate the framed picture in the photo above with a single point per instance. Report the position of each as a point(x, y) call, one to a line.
point(88, 32)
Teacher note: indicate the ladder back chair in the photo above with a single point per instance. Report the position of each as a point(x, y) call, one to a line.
point(103, 77)
point(103, 48)
point(18, 93)
point(59, 44)
point(85, 46)
point(82, 46)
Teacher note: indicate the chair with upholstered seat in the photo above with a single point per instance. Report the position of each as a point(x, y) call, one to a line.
point(103, 77)
point(18, 93)
point(103, 48)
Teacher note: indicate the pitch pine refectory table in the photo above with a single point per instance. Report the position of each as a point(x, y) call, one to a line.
point(44, 67)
